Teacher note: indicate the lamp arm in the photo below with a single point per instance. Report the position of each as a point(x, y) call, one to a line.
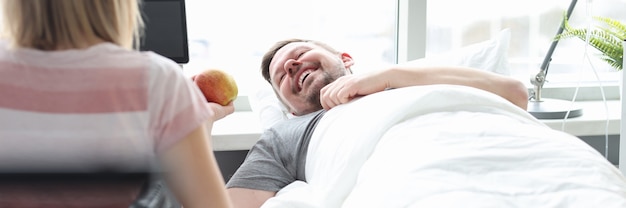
point(540, 78)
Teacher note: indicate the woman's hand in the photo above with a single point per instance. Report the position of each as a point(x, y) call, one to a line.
point(218, 111)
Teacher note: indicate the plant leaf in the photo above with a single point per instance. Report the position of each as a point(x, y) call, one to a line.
point(607, 39)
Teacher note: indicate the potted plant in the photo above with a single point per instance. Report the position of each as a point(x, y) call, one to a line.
point(607, 36)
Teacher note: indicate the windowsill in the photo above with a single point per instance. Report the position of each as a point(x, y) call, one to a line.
point(238, 131)
point(594, 120)
point(241, 130)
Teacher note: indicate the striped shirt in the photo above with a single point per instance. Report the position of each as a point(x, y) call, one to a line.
point(103, 106)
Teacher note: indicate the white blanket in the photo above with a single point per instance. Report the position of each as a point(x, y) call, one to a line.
point(447, 146)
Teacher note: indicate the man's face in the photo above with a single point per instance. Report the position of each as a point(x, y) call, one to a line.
point(300, 70)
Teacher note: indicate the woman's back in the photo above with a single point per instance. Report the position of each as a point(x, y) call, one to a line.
point(102, 106)
point(75, 97)
point(101, 109)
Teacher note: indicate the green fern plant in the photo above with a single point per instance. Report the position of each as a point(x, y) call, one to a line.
point(607, 37)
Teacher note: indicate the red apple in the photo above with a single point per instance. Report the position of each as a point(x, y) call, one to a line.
point(216, 85)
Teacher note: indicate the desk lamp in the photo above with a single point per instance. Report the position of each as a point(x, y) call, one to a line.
point(542, 108)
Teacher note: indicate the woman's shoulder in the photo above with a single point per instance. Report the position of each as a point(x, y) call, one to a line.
point(148, 59)
point(123, 53)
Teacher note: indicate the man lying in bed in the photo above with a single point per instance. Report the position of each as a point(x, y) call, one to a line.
point(310, 77)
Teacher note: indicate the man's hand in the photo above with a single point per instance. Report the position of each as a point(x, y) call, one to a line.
point(348, 87)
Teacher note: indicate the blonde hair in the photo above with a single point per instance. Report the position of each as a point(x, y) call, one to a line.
point(53, 24)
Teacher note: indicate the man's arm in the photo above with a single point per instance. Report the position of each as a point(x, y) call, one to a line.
point(249, 198)
point(346, 88)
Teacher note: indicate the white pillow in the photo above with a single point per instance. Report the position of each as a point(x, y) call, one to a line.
point(265, 104)
point(489, 55)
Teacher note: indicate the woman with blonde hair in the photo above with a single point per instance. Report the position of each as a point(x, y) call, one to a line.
point(76, 96)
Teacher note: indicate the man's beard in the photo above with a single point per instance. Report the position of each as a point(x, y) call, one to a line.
point(314, 97)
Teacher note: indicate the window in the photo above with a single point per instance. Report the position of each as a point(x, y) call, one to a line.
point(533, 24)
point(234, 35)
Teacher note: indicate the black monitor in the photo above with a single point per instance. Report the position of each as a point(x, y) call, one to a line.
point(166, 29)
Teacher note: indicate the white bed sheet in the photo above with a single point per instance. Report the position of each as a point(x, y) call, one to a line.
point(447, 146)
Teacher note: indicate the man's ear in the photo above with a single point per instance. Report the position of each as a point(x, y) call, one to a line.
point(347, 60)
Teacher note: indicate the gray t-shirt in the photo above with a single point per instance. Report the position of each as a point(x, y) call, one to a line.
point(279, 157)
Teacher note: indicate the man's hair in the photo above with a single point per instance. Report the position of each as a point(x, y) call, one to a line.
point(48, 24)
point(269, 55)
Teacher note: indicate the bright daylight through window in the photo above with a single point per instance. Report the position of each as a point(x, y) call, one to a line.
point(533, 24)
point(233, 35)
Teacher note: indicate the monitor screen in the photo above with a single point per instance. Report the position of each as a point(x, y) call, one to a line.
point(165, 29)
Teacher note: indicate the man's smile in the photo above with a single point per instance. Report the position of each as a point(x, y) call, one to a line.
point(302, 78)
